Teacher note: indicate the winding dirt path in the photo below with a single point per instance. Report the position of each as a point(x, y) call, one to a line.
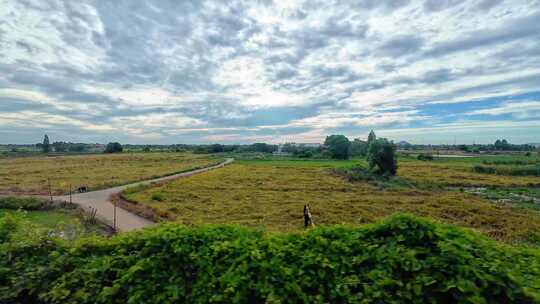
point(125, 220)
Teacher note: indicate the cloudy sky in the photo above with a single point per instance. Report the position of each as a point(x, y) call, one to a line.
point(431, 71)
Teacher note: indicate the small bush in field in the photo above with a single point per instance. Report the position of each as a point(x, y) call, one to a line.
point(158, 197)
point(425, 157)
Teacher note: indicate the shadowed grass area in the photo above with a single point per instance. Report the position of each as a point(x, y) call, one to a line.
point(272, 194)
point(47, 219)
point(69, 223)
point(29, 175)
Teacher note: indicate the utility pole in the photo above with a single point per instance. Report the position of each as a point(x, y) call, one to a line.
point(50, 190)
point(114, 220)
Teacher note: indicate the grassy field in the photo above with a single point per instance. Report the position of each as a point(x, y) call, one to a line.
point(30, 175)
point(460, 171)
point(68, 223)
point(271, 194)
point(47, 219)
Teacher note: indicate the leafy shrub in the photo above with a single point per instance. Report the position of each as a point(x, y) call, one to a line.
point(358, 174)
point(158, 197)
point(382, 154)
point(401, 260)
point(305, 154)
point(425, 157)
point(484, 169)
point(25, 203)
point(361, 174)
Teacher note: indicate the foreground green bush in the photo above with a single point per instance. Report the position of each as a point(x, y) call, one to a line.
point(401, 260)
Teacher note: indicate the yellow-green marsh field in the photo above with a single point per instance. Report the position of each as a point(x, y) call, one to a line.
point(459, 171)
point(271, 194)
point(30, 175)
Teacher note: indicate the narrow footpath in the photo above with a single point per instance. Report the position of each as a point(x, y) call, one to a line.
point(125, 220)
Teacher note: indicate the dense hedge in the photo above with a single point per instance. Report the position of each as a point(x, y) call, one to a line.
point(401, 260)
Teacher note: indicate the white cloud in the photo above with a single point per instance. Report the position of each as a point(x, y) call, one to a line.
point(179, 70)
point(523, 110)
point(44, 33)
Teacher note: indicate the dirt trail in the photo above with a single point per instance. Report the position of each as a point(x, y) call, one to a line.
point(125, 220)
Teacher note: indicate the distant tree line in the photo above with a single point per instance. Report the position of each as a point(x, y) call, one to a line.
point(498, 146)
point(335, 146)
point(302, 150)
point(60, 146)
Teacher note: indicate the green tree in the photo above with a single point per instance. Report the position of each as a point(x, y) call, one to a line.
point(358, 148)
point(338, 146)
point(371, 137)
point(59, 146)
point(77, 147)
point(382, 154)
point(502, 145)
point(46, 147)
point(263, 148)
point(216, 148)
point(114, 147)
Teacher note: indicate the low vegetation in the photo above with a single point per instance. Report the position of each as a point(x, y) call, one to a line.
point(31, 175)
point(41, 216)
point(382, 181)
point(461, 172)
point(25, 203)
point(271, 194)
point(403, 259)
point(521, 196)
point(509, 170)
point(425, 157)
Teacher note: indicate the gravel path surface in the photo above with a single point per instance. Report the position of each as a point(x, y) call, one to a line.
point(125, 220)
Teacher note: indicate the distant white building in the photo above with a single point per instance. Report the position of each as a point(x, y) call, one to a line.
point(280, 152)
